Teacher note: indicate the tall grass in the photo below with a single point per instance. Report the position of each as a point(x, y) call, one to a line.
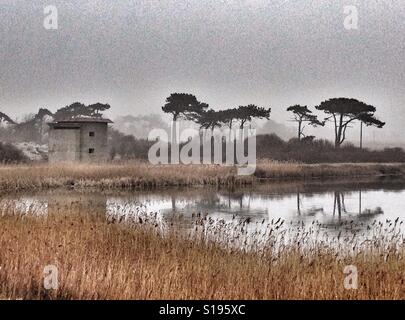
point(99, 258)
point(292, 170)
point(141, 175)
point(128, 175)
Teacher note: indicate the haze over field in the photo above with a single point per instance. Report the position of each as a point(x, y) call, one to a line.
point(133, 54)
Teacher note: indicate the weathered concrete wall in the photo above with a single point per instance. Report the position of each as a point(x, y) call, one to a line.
point(64, 144)
point(77, 144)
point(98, 142)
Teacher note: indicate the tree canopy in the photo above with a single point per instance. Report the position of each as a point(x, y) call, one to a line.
point(78, 109)
point(228, 116)
point(184, 105)
point(301, 115)
point(209, 119)
point(98, 108)
point(247, 113)
point(343, 111)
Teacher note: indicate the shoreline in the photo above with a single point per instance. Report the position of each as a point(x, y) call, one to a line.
point(143, 176)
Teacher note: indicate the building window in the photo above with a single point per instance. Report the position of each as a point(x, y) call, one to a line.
point(91, 150)
point(91, 134)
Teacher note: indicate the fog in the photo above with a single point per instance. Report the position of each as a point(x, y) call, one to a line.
point(133, 54)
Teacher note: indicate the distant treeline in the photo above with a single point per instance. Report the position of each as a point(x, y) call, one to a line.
point(272, 147)
point(321, 151)
point(341, 112)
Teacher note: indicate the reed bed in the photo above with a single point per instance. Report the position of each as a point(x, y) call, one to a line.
point(135, 175)
point(141, 175)
point(139, 257)
point(290, 170)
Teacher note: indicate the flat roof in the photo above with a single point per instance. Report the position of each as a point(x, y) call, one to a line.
point(80, 120)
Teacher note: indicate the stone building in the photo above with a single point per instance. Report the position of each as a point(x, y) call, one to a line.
point(79, 139)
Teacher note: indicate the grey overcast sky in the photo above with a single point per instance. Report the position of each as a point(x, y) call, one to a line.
point(133, 54)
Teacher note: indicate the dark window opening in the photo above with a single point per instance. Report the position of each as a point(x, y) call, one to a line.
point(91, 150)
point(91, 134)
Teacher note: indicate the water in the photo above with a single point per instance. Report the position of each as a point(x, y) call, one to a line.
point(336, 205)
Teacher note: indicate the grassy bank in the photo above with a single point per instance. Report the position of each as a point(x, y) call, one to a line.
point(285, 170)
point(98, 259)
point(137, 175)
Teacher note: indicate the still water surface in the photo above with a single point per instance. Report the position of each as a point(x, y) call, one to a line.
point(328, 203)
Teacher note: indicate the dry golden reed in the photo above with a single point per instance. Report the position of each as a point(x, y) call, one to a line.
point(98, 258)
point(141, 175)
point(101, 259)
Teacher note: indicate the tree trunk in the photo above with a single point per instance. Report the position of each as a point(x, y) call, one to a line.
point(299, 130)
point(338, 140)
point(174, 153)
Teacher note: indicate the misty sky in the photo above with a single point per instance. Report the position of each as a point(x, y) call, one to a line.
point(133, 54)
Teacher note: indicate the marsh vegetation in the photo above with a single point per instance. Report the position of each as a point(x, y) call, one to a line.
point(137, 258)
point(131, 252)
point(141, 175)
